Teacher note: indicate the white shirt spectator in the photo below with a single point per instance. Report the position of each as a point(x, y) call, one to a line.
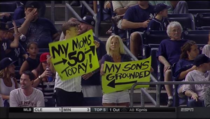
point(71, 85)
point(206, 50)
point(5, 90)
point(199, 89)
point(121, 4)
point(19, 99)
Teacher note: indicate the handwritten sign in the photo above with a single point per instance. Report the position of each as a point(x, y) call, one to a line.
point(121, 76)
point(75, 56)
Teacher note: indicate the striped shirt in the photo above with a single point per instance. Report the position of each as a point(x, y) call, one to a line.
point(199, 89)
point(71, 85)
point(47, 88)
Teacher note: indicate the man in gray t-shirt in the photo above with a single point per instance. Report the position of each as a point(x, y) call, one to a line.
point(26, 96)
point(202, 73)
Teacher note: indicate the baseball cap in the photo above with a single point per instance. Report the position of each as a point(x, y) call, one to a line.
point(6, 62)
point(3, 26)
point(201, 59)
point(44, 56)
point(159, 7)
point(88, 20)
point(32, 4)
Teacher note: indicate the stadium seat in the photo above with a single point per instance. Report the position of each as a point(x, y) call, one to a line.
point(186, 20)
point(198, 4)
point(200, 37)
point(203, 28)
point(8, 6)
point(203, 19)
point(152, 37)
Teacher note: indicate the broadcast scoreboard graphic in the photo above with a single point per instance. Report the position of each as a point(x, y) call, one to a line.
point(88, 109)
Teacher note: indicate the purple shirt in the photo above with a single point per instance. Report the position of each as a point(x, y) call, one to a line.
point(106, 57)
point(137, 14)
point(171, 50)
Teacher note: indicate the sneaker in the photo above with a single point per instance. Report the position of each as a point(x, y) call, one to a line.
point(170, 103)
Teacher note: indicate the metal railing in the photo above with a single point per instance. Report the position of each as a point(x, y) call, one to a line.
point(53, 11)
point(143, 91)
point(69, 7)
point(162, 83)
point(94, 17)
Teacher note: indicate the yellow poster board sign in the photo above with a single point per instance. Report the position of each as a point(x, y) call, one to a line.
point(122, 76)
point(75, 56)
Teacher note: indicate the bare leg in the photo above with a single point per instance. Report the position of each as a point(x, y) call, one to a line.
point(136, 44)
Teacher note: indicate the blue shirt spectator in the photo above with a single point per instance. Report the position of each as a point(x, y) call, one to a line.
point(169, 53)
point(137, 14)
point(36, 29)
point(19, 13)
point(94, 79)
point(160, 21)
point(40, 31)
point(5, 45)
point(171, 50)
point(182, 65)
point(16, 53)
point(158, 25)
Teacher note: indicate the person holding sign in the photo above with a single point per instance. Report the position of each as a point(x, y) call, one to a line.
point(91, 85)
point(167, 54)
point(115, 53)
point(68, 92)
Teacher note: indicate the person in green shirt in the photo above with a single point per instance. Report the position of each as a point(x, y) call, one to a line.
point(176, 7)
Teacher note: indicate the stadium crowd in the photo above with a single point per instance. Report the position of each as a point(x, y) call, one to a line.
point(29, 79)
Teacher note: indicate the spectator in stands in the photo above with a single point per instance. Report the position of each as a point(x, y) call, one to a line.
point(115, 53)
point(26, 96)
point(189, 52)
point(36, 29)
point(168, 56)
point(207, 97)
point(31, 62)
point(5, 36)
point(73, 22)
point(8, 81)
point(41, 72)
point(120, 7)
point(160, 21)
point(176, 7)
point(5, 17)
point(19, 52)
point(206, 48)
point(68, 92)
point(136, 19)
point(201, 73)
point(91, 84)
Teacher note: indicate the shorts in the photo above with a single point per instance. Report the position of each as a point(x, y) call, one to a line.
point(92, 91)
point(116, 97)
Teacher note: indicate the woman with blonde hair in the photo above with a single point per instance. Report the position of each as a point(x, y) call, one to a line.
point(7, 79)
point(115, 53)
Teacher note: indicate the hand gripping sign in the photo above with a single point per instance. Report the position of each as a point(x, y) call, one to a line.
point(75, 56)
point(121, 76)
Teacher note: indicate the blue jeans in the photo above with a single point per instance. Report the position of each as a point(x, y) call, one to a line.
point(193, 103)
